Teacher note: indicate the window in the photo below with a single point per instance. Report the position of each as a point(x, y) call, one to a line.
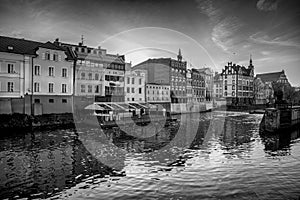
point(96, 76)
point(37, 101)
point(64, 72)
point(51, 71)
point(132, 99)
point(64, 88)
point(90, 89)
point(64, 101)
point(128, 80)
point(47, 55)
point(90, 76)
point(82, 88)
point(140, 90)
point(55, 57)
point(10, 68)
point(132, 90)
point(36, 87)
point(128, 90)
point(140, 81)
point(233, 81)
point(51, 87)
point(233, 87)
point(97, 89)
point(82, 75)
point(10, 86)
point(233, 93)
point(225, 94)
point(132, 81)
point(37, 70)
point(51, 100)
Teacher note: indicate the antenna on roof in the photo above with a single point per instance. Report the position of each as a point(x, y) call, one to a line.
point(82, 39)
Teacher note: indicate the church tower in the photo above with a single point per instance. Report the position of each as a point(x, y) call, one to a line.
point(179, 56)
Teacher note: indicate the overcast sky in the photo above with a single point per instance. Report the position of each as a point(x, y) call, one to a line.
point(209, 33)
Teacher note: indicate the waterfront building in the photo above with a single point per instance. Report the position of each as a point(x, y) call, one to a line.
point(189, 90)
point(158, 93)
point(207, 73)
point(218, 86)
point(278, 77)
point(99, 76)
point(197, 86)
point(167, 71)
point(36, 78)
point(135, 81)
point(263, 92)
point(238, 83)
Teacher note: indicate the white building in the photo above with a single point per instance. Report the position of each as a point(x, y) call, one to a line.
point(158, 93)
point(135, 86)
point(35, 78)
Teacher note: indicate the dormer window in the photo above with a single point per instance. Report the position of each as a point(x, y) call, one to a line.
point(47, 55)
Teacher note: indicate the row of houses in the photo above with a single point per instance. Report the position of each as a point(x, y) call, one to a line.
point(238, 85)
point(56, 77)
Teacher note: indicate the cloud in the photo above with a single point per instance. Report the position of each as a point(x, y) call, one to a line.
point(224, 32)
point(225, 25)
point(263, 38)
point(267, 5)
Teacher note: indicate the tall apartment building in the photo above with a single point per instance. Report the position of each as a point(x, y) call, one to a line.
point(167, 71)
point(35, 77)
point(238, 83)
point(99, 75)
point(135, 81)
point(218, 86)
point(207, 73)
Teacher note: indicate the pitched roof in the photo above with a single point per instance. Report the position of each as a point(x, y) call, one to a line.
point(18, 46)
point(28, 47)
point(269, 77)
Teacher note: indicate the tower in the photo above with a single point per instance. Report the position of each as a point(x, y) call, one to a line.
point(179, 56)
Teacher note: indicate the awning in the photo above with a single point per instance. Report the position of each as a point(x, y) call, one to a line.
point(104, 106)
point(94, 107)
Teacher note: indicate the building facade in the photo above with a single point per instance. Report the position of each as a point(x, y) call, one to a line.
point(158, 93)
point(167, 71)
point(218, 87)
point(99, 75)
point(238, 83)
point(263, 92)
point(135, 86)
point(207, 73)
point(36, 78)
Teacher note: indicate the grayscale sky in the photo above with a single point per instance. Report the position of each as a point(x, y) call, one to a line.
point(210, 32)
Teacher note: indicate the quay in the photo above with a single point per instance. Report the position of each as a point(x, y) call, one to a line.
point(276, 120)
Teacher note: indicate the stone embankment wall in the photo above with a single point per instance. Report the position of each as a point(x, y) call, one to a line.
point(23, 121)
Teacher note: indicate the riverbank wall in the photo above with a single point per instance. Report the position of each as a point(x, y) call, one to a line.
point(28, 122)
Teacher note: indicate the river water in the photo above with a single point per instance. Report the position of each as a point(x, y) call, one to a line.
point(217, 155)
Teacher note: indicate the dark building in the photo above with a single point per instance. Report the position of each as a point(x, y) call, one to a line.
point(167, 71)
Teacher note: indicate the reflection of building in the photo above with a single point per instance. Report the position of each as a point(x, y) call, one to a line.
point(135, 86)
point(158, 93)
point(98, 74)
point(263, 92)
point(238, 83)
point(278, 77)
point(36, 77)
point(167, 71)
point(189, 91)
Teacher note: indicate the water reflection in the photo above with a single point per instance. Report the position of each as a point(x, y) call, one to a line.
point(39, 164)
point(212, 155)
point(279, 144)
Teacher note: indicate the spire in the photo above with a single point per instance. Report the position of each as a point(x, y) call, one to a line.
point(250, 59)
point(179, 56)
